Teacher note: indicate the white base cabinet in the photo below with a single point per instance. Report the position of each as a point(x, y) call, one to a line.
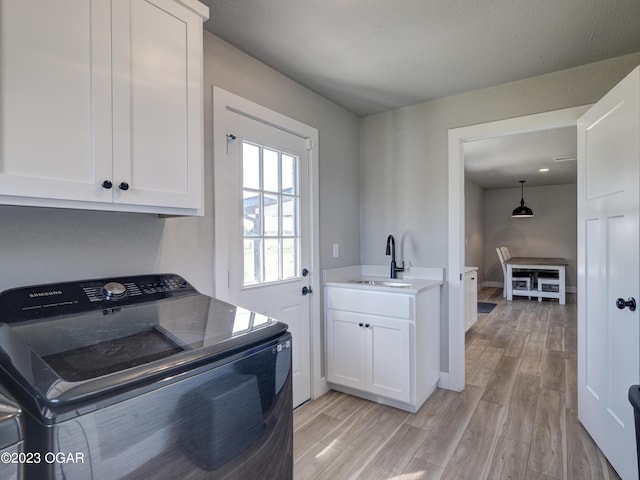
point(470, 297)
point(101, 104)
point(370, 353)
point(383, 346)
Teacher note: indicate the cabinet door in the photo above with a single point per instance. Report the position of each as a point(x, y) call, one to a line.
point(473, 298)
point(346, 349)
point(55, 99)
point(389, 367)
point(157, 103)
point(470, 299)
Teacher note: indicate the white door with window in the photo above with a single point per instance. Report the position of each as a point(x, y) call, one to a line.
point(265, 205)
point(609, 271)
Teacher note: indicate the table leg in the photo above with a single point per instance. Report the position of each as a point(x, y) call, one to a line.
point(509, 282)
point(539, 290)
point(561, 287)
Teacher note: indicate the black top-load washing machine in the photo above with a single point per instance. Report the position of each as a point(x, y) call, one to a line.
point(143, 377)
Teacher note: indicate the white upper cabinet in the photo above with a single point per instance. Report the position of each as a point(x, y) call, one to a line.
point(157, 103)
point(101, 104)
point(56, 104)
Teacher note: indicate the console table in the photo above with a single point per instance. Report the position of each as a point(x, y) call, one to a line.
point(541, 264)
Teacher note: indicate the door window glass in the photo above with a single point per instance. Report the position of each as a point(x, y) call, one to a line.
point(271, 220)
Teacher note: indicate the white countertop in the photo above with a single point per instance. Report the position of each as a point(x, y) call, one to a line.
point(409, 285)
point(420, 279)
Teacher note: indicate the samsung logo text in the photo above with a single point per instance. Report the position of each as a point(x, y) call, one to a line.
point(45, 294)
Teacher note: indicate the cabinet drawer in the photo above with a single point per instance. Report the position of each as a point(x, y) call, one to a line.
point(375, 303)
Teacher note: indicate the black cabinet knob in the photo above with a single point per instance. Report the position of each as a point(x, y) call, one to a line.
point(123, 186)
point(360, 324)
point(107, 184)
point(630, 304)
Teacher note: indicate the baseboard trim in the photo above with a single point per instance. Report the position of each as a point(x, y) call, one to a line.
point(407, 407)
point(444, 380)
point(446, 383)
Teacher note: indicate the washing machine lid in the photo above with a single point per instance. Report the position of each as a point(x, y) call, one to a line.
point(62, 345)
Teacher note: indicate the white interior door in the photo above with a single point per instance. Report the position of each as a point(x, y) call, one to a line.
point(268, 227)
point(609, 268)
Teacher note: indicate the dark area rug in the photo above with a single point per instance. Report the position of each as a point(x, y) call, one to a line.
point(485, 307)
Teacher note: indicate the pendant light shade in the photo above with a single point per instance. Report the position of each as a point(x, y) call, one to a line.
point(522, 211)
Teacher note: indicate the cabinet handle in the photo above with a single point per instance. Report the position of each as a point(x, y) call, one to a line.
point(366, 325)
point(107, 184)
point(360, 324)
point(123, 186)
point(630, 304)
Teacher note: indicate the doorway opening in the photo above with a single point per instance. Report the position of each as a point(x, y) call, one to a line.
point(455, 380)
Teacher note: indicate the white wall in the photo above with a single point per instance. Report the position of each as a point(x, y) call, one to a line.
point(474, 218)
point(552, 232)
point(338, 147)
point(404, 158)
point(40, 245)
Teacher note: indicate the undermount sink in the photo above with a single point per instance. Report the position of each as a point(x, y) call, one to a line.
point(394, 284)
point(382, 283)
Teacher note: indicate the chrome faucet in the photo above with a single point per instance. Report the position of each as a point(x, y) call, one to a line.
point(391, 250)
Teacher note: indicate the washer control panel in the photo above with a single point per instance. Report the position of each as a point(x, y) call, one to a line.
point(131, 288)
point(42, 301)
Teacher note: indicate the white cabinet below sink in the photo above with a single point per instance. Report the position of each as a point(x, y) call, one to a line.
point(383, 346)
point(101, 104)
point(370, 353)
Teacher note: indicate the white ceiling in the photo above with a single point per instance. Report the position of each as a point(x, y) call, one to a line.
point(500, 162)
point(371, 56)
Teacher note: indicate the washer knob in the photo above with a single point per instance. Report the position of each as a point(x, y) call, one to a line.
point(114, 290)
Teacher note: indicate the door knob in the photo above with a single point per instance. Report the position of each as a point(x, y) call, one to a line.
point(630, 303)
point(305, 272)
point(306, 290)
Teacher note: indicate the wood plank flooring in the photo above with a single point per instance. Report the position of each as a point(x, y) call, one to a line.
point(516, 418)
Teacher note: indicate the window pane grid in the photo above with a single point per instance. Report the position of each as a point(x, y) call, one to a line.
point(270, 215)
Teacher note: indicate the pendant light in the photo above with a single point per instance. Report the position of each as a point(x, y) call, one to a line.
point(522, 211)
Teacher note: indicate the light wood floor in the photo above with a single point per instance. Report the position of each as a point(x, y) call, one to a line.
point(516, 418)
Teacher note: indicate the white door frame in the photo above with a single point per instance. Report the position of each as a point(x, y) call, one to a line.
point(223, 101)
point(455, 266)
